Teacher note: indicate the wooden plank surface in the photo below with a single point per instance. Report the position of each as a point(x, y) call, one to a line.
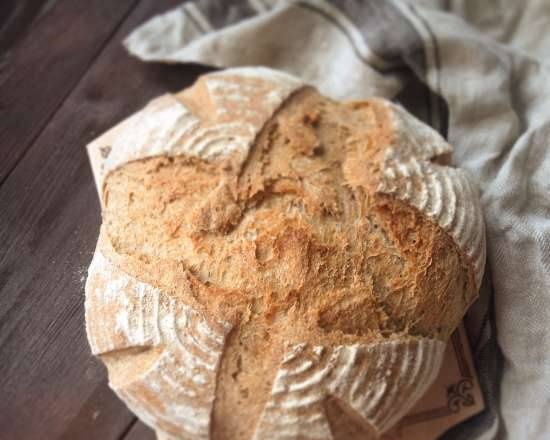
point(37, 74)
point(15, 18)
point(139, 431)
point(50, 385)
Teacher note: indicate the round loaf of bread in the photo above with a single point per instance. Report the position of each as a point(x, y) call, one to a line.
point(274, 264)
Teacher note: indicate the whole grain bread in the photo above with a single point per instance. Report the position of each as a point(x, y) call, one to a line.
point(275, 264)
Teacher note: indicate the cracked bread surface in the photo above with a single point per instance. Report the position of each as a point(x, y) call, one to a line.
point(290, 243)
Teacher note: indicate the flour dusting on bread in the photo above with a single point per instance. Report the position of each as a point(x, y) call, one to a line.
point(242, 100)
point(276, 264)
point(445, 194)
point(380, 382)
point(163, 356)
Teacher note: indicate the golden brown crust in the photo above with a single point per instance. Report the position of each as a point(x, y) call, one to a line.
point(294, 245)
point(300, 224)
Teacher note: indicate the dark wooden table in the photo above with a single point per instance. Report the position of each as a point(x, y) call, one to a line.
point(64, 79)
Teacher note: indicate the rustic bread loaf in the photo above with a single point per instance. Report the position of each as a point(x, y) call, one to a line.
point(274, 264)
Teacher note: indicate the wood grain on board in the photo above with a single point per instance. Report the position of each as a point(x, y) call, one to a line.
point(139, 431)
point(16, 18)
point(51, 386)
point(59, 41)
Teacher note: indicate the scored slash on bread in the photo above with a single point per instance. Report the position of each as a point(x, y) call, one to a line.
point(443, 193)
point(175, 353)
point(124, 313)
point(267, 253)
point(379, 382)
point(231, 115)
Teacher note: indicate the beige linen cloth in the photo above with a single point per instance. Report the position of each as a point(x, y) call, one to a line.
point(477, 71)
